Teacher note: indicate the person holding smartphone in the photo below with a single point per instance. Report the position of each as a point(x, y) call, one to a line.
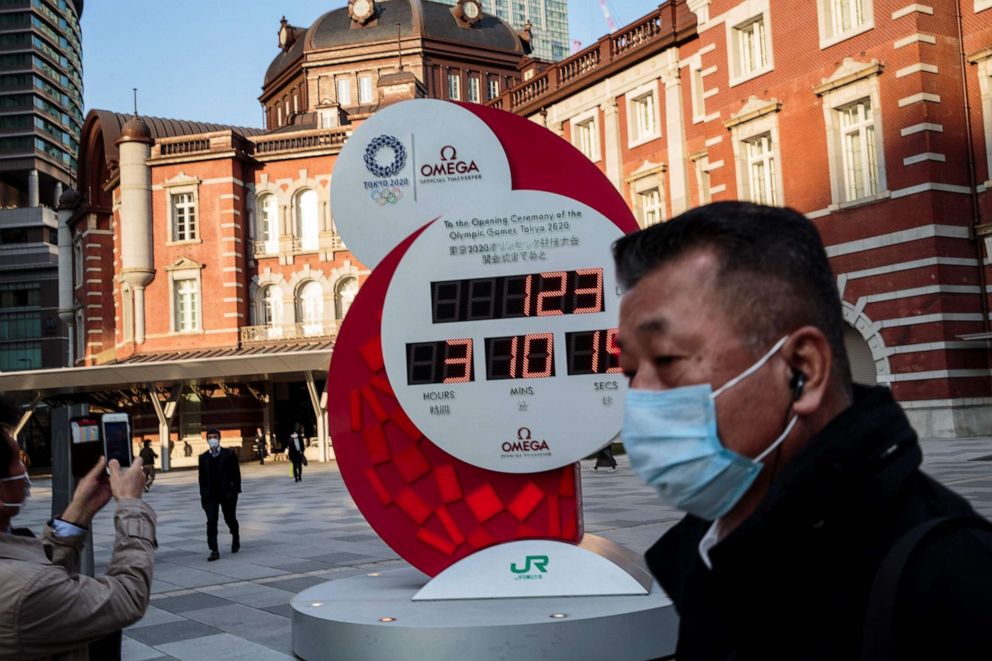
point(47, 608)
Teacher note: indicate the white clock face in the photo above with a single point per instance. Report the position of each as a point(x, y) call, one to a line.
point(362, 8)
point(471, 9)
point(498, 332)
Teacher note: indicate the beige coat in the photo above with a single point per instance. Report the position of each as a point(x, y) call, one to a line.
point(48, 610)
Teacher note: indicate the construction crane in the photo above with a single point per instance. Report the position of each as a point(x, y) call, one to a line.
point(606, 14)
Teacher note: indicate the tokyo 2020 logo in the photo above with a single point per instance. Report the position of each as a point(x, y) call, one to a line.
point(384, 196)
point(372, 153)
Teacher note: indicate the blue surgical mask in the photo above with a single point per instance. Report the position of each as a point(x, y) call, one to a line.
point(671, 438)
point(214, 443)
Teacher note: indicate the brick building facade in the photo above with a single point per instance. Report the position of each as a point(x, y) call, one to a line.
point(872, 117)
point(204, 280)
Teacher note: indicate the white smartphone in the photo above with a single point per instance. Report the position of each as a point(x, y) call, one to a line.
point(115, 429)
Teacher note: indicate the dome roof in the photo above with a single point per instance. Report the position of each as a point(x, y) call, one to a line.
point(416, 18)
point(135, 130)
point(70, 199)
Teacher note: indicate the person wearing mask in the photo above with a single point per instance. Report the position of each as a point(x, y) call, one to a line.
point(47, 608)
point(296, 453)
point(810, 531)
point(220, 484)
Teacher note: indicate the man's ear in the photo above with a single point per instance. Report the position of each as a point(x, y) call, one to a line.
point(810, 358)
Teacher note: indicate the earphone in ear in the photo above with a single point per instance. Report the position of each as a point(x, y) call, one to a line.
point(797, 383)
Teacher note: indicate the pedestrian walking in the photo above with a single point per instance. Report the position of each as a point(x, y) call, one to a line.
point(605, 458)
point(296, 455)
point(148, 458)
point(220, 484)
point(260, 450)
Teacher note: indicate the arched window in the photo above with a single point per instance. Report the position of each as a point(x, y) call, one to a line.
point(345, 293)
point(268, 223)
point(270, 310)
point(310, 312)
point(307, 220)
point(860, 357)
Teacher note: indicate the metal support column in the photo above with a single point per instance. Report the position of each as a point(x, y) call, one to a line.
point(165, 415)
point(319, 403)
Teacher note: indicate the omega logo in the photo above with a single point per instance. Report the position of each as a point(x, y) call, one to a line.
point(449, 164)
point(525, 443)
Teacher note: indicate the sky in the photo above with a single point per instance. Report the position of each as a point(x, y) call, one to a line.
point(204, 60)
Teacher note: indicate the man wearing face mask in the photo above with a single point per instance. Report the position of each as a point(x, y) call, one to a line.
point(220, 484)
point(810, 531)
point(47, 609)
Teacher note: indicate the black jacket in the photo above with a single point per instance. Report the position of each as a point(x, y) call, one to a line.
point(228, 482)
point(297, 456)
point(792, 581)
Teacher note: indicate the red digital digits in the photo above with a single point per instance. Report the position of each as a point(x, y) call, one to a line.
point(459, 355)
point(596, 291)
point(559, 293)
point(538, 363)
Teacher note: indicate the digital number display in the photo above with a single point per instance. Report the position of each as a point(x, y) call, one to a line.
point(546, 294)
point(592, 352)
point(520, 357)
point(447, 361)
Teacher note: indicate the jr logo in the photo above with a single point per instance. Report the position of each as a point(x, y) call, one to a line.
point(538, 562)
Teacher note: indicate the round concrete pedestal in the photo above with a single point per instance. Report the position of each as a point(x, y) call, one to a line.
point(373, 617)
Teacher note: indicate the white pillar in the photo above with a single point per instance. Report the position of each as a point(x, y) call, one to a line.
point(138, 319)
point(319, 405)
point(678, 162)
point(65, 278)
point(137, 262)
point(33, 188)
point(612, 157)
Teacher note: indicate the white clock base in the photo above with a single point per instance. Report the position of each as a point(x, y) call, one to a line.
point(374, 617)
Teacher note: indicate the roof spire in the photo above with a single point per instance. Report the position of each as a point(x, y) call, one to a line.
point(135, 90)
point(399, 45)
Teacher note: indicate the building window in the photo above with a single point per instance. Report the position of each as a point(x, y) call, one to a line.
point(454, 86)
point(307, 220)
point(858, 154)
point(700, 167)
point(20, 356)
point(642, 116)
point(268, 229)
point(760, 164)
point(183, 216)
point(474, 94)
point(270, 310)
point(493, 88)
point(750, 48)
point(585, 136)
point(697, 90)
point(344, 92)
point(853, 118)
point(186, 305)
point(755, 135)
point(344, 295)
point(650, 207)
point(310, 308)
point(365, 90)
point(190, 416)
point(841, 19)
point(80, 336)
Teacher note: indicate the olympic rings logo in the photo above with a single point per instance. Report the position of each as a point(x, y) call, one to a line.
point(384, 196)
point(372, 153)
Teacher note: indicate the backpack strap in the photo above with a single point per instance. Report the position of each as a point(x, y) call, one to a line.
point(880, 616)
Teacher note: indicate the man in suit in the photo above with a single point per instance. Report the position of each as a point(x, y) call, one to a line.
point(220, 484)
point(296, 455)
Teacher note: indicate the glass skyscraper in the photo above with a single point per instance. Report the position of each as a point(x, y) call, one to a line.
point(548, 19)
point(41, 118)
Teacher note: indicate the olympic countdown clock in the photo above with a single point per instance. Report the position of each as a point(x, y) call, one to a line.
point(477, 363)
point(498, 332)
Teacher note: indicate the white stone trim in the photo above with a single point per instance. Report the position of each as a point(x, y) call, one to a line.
point(921, 291)
point(711, 142)
point(934, 374)
point(914, 38)
point(916, 68)
point(870, 331)
point(895, 238)
point(906, 11)
point(719, 188)
point(926, 156)
point(960, 401)
point(985, 88)
point(930, 346)
point(982, 5)
point(930, 186)
point(919, 128)
point(939, 317)
point(921, 97)
point(909, 266)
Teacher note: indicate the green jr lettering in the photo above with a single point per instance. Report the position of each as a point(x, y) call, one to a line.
point(538, 562)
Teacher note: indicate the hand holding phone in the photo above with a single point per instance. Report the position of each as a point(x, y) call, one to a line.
point(116, 433)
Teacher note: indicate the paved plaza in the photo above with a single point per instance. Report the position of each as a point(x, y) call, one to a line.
point(294, 536)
